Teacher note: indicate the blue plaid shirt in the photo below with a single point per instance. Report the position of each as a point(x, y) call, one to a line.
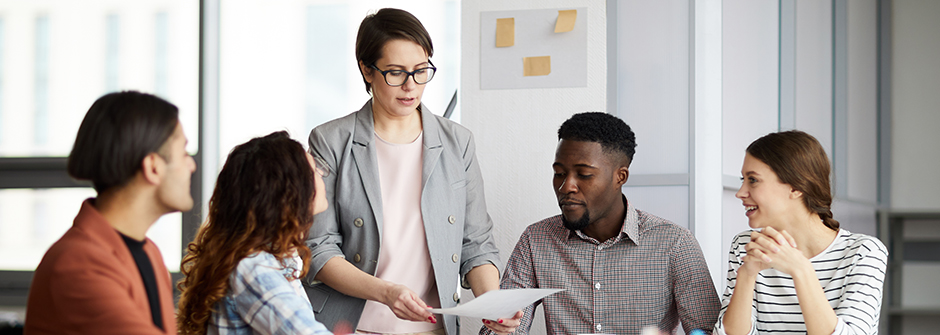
point(264, 298)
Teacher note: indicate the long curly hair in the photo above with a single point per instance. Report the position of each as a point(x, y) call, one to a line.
point(262, 202)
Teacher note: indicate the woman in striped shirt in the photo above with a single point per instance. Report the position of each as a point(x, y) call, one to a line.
point(797, 272)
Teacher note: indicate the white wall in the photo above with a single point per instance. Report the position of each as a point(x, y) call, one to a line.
point(750, 78)
point(659, 94)
point(515, 130)
point(915, 107)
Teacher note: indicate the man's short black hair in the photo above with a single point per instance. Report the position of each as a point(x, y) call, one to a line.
point(119, 130)
point(611, 132)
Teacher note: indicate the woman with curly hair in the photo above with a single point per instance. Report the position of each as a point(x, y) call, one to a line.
point(243, 269)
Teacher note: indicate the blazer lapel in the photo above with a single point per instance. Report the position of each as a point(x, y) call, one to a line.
point(432, 145)
point(366, 162)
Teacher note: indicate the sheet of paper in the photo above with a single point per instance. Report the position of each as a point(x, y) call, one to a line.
point(505, 32)
point(565, 21)
point(497, 304)
point(536, 66)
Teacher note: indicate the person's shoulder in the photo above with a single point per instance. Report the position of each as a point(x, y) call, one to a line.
point(550, 226)
point(450, 126)
point(258, 261)
point(864, 244)
point(78, 254)
point(648, 223)
point(77, 245)
point(743, 237)
point(451, 130)
point(337, 126)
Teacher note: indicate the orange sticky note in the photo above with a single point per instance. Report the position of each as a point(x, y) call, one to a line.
point(505, 32)
point(536, 66)
point(565, 21)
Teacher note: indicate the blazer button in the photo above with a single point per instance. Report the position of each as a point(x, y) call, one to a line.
point(451, 219)
point(358, 222)
point(456, 297)
point(455, 258)
point(357, 258)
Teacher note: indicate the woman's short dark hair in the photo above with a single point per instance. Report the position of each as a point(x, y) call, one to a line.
point(119, 130)
point(385, 25)
point(801, 162)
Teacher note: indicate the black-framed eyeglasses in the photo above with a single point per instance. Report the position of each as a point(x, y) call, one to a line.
point(395, 78)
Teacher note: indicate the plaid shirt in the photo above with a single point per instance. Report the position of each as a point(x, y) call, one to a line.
point(651, 274)
point(261, 300)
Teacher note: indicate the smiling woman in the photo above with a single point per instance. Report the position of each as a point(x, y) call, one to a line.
point(814, 277)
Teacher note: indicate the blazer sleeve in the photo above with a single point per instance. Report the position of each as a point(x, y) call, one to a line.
point(325, 237)
point(479, 246)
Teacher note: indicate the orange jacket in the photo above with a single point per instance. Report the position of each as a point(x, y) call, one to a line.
point(88, 283)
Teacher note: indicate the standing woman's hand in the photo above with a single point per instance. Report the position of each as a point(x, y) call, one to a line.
point(407, 305)
point(504, 326)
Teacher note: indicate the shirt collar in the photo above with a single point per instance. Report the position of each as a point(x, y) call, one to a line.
point(630, 229)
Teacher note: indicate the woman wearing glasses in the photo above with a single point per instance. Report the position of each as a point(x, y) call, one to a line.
point(407, 221)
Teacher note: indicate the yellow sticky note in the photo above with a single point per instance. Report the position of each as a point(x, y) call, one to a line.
point(505, 32)
point(565, 20)
point(536, 66)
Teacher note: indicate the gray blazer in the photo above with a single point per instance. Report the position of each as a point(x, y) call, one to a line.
point(458, 228)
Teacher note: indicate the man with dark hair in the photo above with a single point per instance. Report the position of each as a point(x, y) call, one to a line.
point(104, 276)
point(622, 268)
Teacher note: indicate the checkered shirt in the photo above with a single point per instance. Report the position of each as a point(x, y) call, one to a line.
point(262, 300)
point(651, 274)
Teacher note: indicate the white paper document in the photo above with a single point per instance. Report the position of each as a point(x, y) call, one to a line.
point(497, 304)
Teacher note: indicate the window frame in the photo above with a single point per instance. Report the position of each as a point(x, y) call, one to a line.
point(51, 172)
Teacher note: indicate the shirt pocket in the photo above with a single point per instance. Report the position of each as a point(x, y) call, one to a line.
point(318, 295)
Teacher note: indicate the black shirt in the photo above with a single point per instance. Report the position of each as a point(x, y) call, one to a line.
point(146, 273)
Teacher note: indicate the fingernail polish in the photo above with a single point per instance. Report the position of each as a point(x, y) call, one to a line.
point(500, 320)
point(486, 321)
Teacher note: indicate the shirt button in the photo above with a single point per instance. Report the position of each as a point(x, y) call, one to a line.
point(456, 297)
point(597, 327)
point(358, 222)
point(600, 247)
point(451, 219)
point(357, 258)
point(597, 286)
point(455, 258)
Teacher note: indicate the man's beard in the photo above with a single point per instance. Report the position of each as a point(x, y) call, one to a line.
point(578, 224)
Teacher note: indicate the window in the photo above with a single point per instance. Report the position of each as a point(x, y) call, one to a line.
point(63, 55)
point(291, 65)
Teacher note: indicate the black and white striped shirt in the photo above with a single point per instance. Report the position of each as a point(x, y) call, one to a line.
point(851, 271)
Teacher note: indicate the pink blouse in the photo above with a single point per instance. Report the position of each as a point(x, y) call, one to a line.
point(403, 256)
